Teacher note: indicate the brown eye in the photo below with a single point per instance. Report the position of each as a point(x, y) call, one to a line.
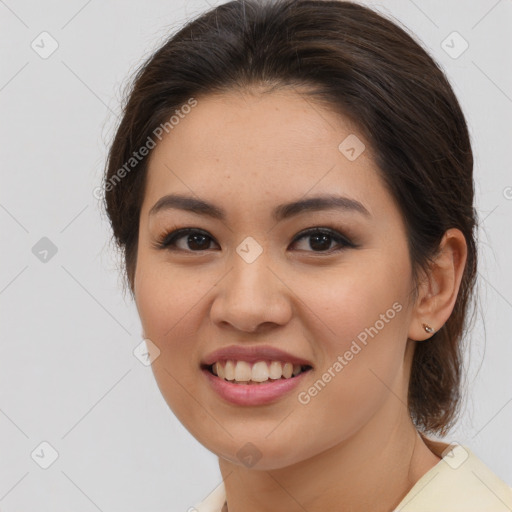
point(192, 240)
point(321, 239)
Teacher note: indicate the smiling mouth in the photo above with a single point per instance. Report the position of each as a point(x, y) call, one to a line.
point(261, 372)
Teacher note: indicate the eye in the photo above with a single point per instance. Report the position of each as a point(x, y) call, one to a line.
point(197, 240)
point(320, 239)
point(193, 240)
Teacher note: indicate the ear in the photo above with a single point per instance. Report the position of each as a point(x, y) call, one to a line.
point(439, 286)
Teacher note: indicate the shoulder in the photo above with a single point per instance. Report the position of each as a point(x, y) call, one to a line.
point(459, 482)
point(213, 502)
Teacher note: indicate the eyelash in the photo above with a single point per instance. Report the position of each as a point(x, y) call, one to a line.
point(168, 239)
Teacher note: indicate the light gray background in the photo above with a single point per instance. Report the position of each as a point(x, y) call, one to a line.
point(67, 372)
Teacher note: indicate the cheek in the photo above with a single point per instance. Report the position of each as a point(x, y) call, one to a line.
point(169, 306)
point(167, 301)
point(363, 299)
point(362, 338)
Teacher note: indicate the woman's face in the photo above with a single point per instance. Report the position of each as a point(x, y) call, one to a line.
point(339, 299)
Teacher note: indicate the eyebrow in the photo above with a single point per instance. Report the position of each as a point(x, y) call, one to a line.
point(280, 212)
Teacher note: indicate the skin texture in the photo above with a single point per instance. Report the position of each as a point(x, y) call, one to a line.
point(353, 447)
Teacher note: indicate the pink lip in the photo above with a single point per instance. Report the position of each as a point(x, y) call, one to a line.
point(252, 355)
point(253, 394)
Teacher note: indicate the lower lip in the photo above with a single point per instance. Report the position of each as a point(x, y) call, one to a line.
point(253, 394)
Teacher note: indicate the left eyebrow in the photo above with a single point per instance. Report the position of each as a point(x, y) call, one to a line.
point(318, 203)
point(280, 212)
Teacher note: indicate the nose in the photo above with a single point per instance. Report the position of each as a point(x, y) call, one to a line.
point(252, 296)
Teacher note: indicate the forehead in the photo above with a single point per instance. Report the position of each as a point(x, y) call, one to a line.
point(260, 147)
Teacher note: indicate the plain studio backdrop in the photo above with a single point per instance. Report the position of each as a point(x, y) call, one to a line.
point(83, 425)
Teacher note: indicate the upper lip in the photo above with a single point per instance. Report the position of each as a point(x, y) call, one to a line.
point(252, 355)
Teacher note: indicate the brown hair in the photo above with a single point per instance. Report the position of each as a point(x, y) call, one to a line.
point(362, 65)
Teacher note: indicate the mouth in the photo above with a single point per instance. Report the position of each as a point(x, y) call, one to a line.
point(255, 373)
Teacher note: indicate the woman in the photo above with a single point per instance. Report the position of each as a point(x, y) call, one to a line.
point(314, 370)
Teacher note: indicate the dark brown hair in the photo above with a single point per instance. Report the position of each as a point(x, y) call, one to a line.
point(357, 63)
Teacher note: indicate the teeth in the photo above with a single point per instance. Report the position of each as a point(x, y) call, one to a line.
point(276, 370)
point(242, 371)
point(287, 370)
point(259, 372)
point(229, 370)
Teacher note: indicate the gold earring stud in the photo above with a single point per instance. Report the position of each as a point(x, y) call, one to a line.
point(428, 329)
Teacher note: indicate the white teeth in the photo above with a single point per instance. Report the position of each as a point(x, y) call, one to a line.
point(229, 370)
point(287, 370)
point(276, 370)
point(261, 371)
point(243, 371)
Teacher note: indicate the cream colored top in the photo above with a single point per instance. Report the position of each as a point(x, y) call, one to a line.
point(459, 482)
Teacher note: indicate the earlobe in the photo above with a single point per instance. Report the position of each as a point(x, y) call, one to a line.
point(428, 329)
point(439, 287)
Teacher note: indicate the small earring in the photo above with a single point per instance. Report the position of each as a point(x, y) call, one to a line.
point(428, 329)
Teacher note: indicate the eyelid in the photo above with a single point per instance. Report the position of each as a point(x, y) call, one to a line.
point(170, 236)
point(168, 239)
point(334, 233)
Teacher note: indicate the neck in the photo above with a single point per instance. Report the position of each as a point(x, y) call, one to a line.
point(373, 470)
